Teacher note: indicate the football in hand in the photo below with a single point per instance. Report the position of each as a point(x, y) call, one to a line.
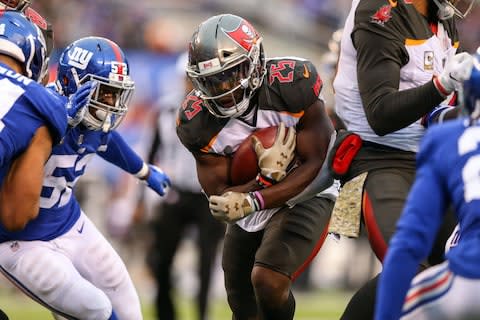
point(244, 166)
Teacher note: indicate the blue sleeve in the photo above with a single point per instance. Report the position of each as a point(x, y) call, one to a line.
point(120, 154)
point(416, 230)
point(51, 108)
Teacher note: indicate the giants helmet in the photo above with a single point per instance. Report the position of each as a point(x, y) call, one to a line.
point(23, 41)
point(471, 89)
point(226, 64)
point(449, 8)
point(101, 60)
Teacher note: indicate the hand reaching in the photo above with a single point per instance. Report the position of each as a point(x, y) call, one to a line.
point(77, 103)
point(157, 180)
point(233, 206)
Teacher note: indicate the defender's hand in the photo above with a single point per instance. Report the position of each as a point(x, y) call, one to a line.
point(457, 69)
point(232, 206)
point(157, 180)
point(273, 161)
point(77, 104)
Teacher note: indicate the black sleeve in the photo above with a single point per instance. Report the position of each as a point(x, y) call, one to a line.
point(378, 74)
point(152, 152)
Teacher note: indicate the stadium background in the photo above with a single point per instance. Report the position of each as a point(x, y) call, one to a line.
point(153, 34)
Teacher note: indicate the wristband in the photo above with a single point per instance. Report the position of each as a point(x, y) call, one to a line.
point(263, 181)
point(142, 173)
point(257, 201)
point(441, 89)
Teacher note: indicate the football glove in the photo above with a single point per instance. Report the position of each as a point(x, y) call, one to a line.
point(273, 161)
point(457, 69)
point(157, 180)
point(233, 206)
point(77, 103)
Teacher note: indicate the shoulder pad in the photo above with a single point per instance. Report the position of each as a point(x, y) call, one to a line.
point(196, 126)
point(294, 81)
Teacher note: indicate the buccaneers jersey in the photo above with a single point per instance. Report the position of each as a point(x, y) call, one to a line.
point(289, 87)
point(408, 40)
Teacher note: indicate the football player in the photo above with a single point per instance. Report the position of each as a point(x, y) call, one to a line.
point(398, 61)
point(60, 259)
point(32, 119)
point(276, 224)
point(447, 174)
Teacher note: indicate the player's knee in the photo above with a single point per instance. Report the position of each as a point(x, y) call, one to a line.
point(270, 287)
point(90, 302)
point(109, 267)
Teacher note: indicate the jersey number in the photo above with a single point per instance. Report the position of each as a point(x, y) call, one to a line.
point(192, 106)
point(61, 187)
point(276, 71)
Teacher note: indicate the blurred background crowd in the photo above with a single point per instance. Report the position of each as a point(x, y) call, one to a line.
point(153, 34)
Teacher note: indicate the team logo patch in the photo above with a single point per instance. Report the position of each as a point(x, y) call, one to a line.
point(428, 58)
point(382, 15)
point(245, 35)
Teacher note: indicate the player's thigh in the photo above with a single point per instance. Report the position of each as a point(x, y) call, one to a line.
point(438, 294)
point(293, 236)
point(48, 276)
point(384, 196)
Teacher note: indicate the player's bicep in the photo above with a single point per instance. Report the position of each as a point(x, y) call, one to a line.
point(212, 171)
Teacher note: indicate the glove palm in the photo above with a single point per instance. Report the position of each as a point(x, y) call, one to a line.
point(77, 104)
point(273, 161)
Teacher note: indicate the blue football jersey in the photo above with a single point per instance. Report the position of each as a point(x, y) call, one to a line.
point(448, 173)
point(24, 107)
point(59, 209)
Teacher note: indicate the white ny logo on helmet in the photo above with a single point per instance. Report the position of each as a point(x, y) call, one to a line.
point(79, 58)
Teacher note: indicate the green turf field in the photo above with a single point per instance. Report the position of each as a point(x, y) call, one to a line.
point(318, 306)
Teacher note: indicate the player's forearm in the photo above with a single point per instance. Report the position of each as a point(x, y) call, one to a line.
point(20, 192)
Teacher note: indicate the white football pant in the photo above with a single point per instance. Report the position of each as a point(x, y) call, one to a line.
point(78, 274)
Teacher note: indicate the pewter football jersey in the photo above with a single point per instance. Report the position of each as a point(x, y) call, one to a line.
point(290, 86)
point(421, 54)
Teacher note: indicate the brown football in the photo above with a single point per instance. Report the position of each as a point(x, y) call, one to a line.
point(244, 166)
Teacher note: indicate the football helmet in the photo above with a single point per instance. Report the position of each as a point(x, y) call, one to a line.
point(101, 60)
point(226, 63)
point(471, 89)
point(449, 8)
point(18, 5)
point(23, 40)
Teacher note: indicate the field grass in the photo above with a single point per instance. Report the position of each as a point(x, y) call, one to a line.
point(326, 305)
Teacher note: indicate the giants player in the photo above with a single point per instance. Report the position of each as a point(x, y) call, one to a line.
point(237, 91)
point(60, 259)
point(447, 174)
point(32, 118)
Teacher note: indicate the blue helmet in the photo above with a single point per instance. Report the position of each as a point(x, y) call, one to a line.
point(23, 41)
point(471, 88)
point(102, 60)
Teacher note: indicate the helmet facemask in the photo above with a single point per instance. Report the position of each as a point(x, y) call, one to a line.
point(228, 89)
point(449, 8)
point(109, 101)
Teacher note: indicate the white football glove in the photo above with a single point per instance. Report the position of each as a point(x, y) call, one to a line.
point(457, 69)
point(232, 206)
point(273, 161)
